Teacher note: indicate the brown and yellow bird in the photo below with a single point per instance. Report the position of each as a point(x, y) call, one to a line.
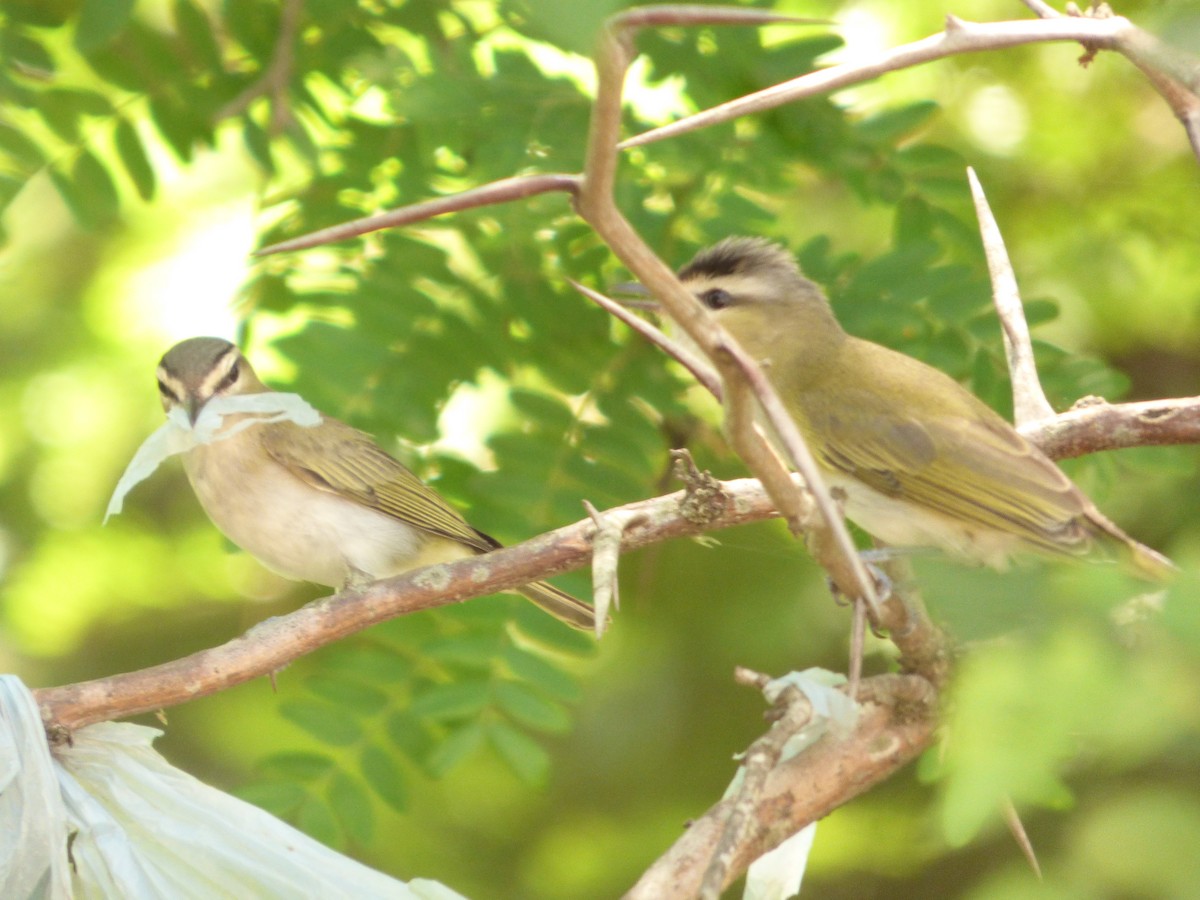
point(920, 460)
point(324, 503)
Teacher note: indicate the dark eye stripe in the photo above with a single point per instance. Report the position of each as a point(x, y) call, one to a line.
point(167, 392)
point(230, 378)
point(716, 298)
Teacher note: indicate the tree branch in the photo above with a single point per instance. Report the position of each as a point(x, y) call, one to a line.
point(503, 191)
point(895, 724)
point(272, 644)
point(1112, 33)
point(1092, 425)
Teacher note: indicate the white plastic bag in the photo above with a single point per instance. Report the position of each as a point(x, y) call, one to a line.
point(178, 435)
point(144, 830)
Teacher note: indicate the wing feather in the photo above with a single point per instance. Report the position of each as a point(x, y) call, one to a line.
point(974, 468)
point(334, 457)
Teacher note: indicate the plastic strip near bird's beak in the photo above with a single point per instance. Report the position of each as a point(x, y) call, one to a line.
point(106, 816)
point(179, 435)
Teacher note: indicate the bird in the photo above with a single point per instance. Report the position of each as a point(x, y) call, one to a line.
point(325, 503)
point(917, 459)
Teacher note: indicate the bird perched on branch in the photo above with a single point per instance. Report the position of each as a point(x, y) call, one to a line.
point(918, 459)
point(323, 503)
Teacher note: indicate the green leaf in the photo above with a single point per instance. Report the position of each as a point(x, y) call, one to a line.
point(552, 633)
point(474, 651)
point(352, 807)
point(410, 735)
point(280, 798)
point(529, 709)
point(297, 766)
point(174, 122)
point(347, 693)
point(923, 157)
point(317, 820)
point(545, 409)
point(195, 30)
point(381, 772)
point(133, 157)
point(43, 13)
point(455, 748)
point(542, 674)
point(1038, 312)
point(258, 144)
point(443, 702)
point(24, 152)
point(88, 191)
point(891, 124)
point(9, 188)
point(528, 760)
point(99, 22)
point(323, 721)
point(19, 49)
point(372, 663)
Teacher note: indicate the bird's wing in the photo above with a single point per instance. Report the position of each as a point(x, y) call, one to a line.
point(972, 467)
point(334, 457)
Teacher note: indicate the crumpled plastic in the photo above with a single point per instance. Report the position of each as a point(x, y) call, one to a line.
point(178, 435)
point(139, 829)
point(777, 874)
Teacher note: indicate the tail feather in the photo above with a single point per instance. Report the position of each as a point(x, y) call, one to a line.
point(1151, 564)
point(561, 605)
point(1141, 560)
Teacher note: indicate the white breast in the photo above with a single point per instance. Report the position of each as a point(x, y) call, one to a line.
point(908, 525)
point(297, 530)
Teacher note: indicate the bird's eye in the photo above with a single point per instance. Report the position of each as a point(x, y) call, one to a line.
point(167, 393)
point(230, 378)
point(716, 298)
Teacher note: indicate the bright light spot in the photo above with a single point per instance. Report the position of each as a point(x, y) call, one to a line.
point(471, 414)
point(866, 32)
point(997, 119)
point(66, 407)
point(57, 495)
point(192, 291)
point(658, 103)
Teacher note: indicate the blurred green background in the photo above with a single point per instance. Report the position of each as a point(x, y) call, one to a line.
point(147, 148)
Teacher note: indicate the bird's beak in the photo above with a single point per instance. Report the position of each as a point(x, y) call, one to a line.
point(192, 407)
point(635, 295)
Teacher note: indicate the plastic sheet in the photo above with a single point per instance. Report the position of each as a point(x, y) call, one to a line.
point(138, 828)
point(178, 435)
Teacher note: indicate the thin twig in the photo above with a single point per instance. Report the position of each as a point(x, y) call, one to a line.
point(1029, 400)
point(699, 368)
point(273, 82)
point(502, 191)
point(960, 36)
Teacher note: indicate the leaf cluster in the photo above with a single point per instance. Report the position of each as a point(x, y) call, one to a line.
point(465, 326)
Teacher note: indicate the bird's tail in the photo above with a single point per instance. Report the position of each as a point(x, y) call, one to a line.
point(1151, 564)
point(1139, 559)
point(561, 605)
